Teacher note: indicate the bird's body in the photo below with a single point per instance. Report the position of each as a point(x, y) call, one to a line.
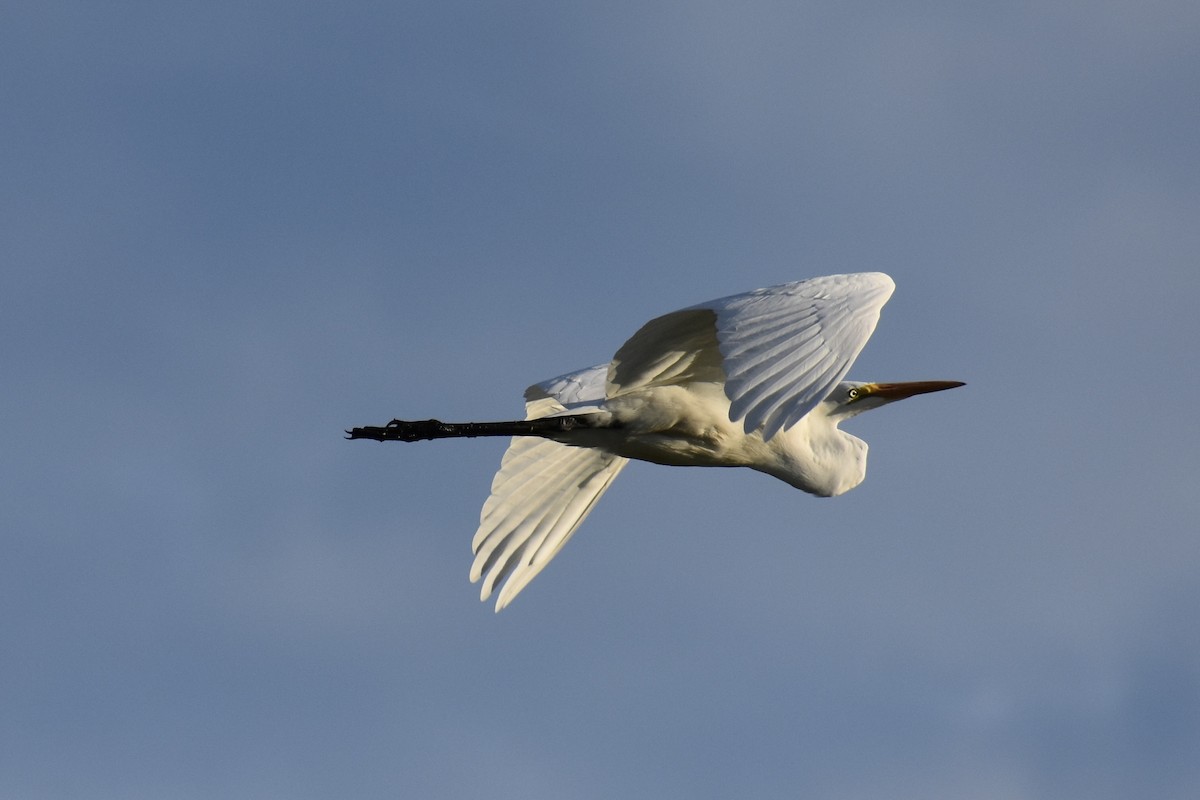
point(753, 380)
point(689, 426)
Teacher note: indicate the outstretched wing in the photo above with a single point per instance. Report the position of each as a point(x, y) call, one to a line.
point(541, 493)
point(779, 351)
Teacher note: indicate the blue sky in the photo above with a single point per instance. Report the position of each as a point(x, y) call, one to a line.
point(230, 232)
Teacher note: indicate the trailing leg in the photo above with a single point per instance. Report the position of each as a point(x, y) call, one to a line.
point(399, 430)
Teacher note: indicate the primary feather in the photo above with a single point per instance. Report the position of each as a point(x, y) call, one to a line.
point(542, 492)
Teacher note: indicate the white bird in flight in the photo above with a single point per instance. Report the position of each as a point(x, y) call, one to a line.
point(752, 380)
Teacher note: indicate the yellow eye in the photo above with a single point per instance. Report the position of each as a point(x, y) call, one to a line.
point(853, 394)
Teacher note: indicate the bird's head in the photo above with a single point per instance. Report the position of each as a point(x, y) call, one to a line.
point(851, 398)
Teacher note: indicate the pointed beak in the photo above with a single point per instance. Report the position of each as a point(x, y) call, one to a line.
point(899, 391)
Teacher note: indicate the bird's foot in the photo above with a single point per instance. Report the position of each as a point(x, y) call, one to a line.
point(399, 430)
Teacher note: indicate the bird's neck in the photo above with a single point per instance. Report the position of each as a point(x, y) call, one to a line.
point(817, 457)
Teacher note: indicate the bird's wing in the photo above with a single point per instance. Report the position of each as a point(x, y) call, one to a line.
point(541, 493)
point(676, 348)
point(779, 351)
point(580, 388)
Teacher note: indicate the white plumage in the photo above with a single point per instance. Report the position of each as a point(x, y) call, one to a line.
point(752, 380)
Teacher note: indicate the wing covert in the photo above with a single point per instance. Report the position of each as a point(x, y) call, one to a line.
point(581, 387)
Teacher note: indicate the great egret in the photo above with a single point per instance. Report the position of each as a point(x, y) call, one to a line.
point(752, 380)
